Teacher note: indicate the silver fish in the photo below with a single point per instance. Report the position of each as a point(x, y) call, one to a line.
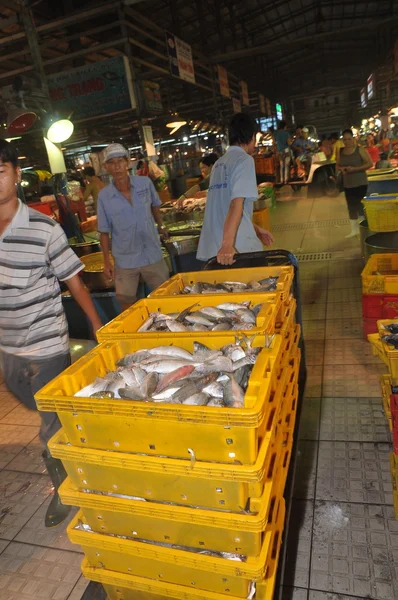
point(168, 392)
point(216, 402)
point(253, 284)
point(198, 327)
point(198, 347)
point(214, 389)
point(224, 326)
point(147, 324)
point(181, 316)
point(246, 315)
point(131, 394)
point(197, 288)
point(166, 366)
point(199, 319)
point(172, 351)
point(149, 384)
point(175, 326)
point(234, 396)
point(103, 394)
point(233, 306)
point(131, 359)
point(212, 311)
point(199, 399)
point(222, 363)
point(237, 284)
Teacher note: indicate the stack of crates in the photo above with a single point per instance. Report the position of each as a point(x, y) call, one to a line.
point(181, 501)
point(389, 388)
point(379, 291)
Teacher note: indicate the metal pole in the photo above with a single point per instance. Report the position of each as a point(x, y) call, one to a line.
point(33, 41)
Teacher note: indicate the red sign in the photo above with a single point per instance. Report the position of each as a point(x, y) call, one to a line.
point(223, 81)
point(245, 93)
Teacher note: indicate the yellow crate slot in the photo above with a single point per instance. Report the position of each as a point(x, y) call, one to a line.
point(128, 323)
point(176, 284)
point(383, 350)
point(382, 215)
point(380, 275)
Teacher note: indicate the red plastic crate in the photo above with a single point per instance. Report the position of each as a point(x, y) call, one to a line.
point(379, 306)
point(369, 326)
point(395, 439)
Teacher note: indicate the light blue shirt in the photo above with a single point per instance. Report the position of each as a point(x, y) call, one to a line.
point(135, 240)
point(233, 176)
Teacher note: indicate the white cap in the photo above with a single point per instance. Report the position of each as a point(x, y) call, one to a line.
point(305, 129)
point(115, 151)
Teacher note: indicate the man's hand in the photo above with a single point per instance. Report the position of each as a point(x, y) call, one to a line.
point(109, 271)
point(225, 255)
point(349, 170)
point(264, 236)
point(164, 234)
point(96, 324)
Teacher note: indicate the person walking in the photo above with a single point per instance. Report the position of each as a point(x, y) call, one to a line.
point(353, 161)
point(34, 257)
point(227, 226)
point(283, 142)
point(128, 209)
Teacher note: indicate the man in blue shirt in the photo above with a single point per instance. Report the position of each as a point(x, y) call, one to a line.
point(128, 209)
point(228, 227)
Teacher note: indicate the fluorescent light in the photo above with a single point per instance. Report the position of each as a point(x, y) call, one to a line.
point(60, 131)
point(13, 138)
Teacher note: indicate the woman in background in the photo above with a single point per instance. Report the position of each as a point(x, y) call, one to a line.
point(200, 189)
point(353, 161)
point(283, 141)
point(372, 149)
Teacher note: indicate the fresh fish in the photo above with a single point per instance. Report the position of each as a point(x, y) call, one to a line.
point(147, 324)
point(168, 392)
point(233, 306)
point(180, 318)
point(391, 339)
point(199, 319)
point(212, 311)
point(131, 359)
point(149, 384)
point(175, 326)
point(214, 389)
point(246, 315)
point(197, 288)
point(234, 396)
point(215, 402)
point(132, 376)
point(104, 394)
point(254, 285)
point(166, 366)
point(233, 351)
point(242, 375)
point(199, 399)
point(174, 376)
point(193, 387)
point(130, 394)
point(224, 326)
point(392, 327)
point(222, 363)
point(198, 327)
point(236, 284)
point(172, 351)
point(256, 309)
point(198, 347)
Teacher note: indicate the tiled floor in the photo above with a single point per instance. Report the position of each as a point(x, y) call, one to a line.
point(343, 539)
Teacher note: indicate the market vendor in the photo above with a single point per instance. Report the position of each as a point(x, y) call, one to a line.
point(128, 209)
point(34, 348)
point(227, 227)
point(199, 189)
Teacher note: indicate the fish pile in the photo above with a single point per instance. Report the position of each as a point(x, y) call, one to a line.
point(169, 374)
point(227, 316)
point(392, 338)
point(264, 285)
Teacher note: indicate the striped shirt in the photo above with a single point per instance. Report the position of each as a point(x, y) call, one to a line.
point(34, 255)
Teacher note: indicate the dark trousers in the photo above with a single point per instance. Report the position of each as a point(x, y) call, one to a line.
point(24, 377)
point(353, 198)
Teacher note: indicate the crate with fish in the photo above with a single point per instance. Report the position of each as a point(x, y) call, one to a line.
point(188, 482)
point(203, 397)
point(385, 345)
point(237, 281)
point(380, 275)
point(210, 571)
point(286, 317)
point(154, 317)
point(218, 530)
point(388, 399)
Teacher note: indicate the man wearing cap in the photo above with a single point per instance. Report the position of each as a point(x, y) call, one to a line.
point(302, 147)
point(128, 209)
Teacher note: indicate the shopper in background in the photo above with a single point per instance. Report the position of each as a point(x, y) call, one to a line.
point(383, 163)
point(353, 162)
point(128, 209)
point(283, 142)
point(93, 187)
point(302, 146)
point(34, 257)
point(206, 165)
point(326, 147)
point(228, 227)
point(337, 144)
point(372, 149)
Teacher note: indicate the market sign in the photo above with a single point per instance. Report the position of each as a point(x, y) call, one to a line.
point(363, 97)
point(100, 88)
point(236, 105)
point(279, 113)
point(223, 81)
point(180, 58)
point(261, 101)
point(370, 85)
point(152, 96)
point(244, 93)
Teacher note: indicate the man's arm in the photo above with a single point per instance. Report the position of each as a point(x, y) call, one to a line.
point(225, 255)
point(83, 298)
point(108, 266)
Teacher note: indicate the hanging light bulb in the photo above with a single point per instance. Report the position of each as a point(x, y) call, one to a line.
point(175, 123)
point(60, 130)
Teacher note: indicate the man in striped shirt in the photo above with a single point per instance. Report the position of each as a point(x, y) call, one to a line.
point(34, 256)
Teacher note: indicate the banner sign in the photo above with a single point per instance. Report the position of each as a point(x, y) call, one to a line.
point(101, 88)
point(180, 58)
point(236, 105)
point(152, 96)
point(261, 101)
point(279, 112)
point(223, 81)
point(370, 86)
point(245, 93)
point(148, 137)
point(363, 97)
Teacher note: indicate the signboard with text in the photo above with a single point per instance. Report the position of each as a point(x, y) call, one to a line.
point(152, 97)
point(100, 88)
point(244, 93)
point(363, 97)
point(180, 58)
point(370, 86)
point(236, 105)
point(279, 112)
point(223, 81)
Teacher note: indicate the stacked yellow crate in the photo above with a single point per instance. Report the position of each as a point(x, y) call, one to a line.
point(181, 501)
point(389, 389)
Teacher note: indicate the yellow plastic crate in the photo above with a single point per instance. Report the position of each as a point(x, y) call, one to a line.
point(186, 482)
point(394, 471)
point(388, 356)
point(128, 323)
point(380, 275)
point(180, 567)
point(181, 525)
point(211, 433)
point(385, 382)
point(175, 285)
point(382, 215)
point(287, 320)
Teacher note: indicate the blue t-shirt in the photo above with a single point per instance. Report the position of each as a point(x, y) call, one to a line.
point(233, 176)
point(281, 138)
point(135, 240)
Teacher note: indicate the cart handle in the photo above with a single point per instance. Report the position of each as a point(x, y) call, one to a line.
point(212, 262)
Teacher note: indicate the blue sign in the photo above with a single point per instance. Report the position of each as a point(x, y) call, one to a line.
point(101, 88)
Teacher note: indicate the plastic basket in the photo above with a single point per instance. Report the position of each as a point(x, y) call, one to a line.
point(387, 355)
point(181, 567)
point(378, 306)
point(210, 433)
point(380, 275)
point(385, 383)
point(128, 323)
point(181, 525)
point(382, 215)
point(159, 479)
point(176, 284)
point(286, 318)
